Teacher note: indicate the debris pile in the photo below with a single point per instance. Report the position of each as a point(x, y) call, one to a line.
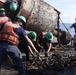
point(57, 61)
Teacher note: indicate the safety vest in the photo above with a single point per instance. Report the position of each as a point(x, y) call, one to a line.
point(7, 33)
point(3, 19)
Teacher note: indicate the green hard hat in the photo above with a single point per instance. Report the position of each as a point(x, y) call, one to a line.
point(13, 6)
point(49, 35)
point(32, 35)
point(2, 9)
point(22, 18)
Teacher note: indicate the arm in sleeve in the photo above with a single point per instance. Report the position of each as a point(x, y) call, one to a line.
point(71, 26)
point(31, 44)
point(50, 46)
point(24, 35)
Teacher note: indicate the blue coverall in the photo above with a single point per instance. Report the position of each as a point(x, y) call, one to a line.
point(43, 41)
point(74, 25)
point(14, 53)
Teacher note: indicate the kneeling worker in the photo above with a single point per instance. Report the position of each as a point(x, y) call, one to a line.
point(44, 41)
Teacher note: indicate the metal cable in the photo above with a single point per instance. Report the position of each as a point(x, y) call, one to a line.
point(65, 26)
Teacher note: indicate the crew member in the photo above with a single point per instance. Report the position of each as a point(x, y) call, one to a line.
point(74, 26)
point(26, 48)
point(44, 41)
point(9, 35)
point(32, 36)
point(3, 17)
point(11, 7)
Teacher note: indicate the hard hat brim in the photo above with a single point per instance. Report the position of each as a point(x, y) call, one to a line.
point(49, 38)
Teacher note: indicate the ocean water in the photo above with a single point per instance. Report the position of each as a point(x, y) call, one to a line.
point(63, 26)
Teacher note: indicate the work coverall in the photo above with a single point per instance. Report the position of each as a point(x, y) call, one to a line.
point(7, 48)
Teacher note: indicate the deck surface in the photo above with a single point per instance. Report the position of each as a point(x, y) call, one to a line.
point(7, 69)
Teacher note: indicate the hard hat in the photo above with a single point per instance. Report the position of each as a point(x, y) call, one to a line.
point(49, 35)
point(22, 18)
point(13, 6)
point(32, 35)
point(2, 9)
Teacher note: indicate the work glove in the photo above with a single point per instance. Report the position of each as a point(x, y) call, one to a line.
point(33, 55)
point(39, 57)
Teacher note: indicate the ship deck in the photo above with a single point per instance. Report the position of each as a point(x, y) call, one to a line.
point(58, 60)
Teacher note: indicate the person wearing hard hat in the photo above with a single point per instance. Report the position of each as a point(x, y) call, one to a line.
point(44, 41)
point(9, 40)
point(32, 35)
point(73, 26)
point(22, 18)
point(26, 48)
point(11, 7)
point(3, 17)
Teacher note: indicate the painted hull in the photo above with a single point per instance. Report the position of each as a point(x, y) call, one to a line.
point(40, 15)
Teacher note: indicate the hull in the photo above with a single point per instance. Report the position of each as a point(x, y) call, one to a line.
point(40, 15)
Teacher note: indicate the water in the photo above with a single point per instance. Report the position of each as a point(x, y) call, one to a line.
point(67, 71)
point(62, 27)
